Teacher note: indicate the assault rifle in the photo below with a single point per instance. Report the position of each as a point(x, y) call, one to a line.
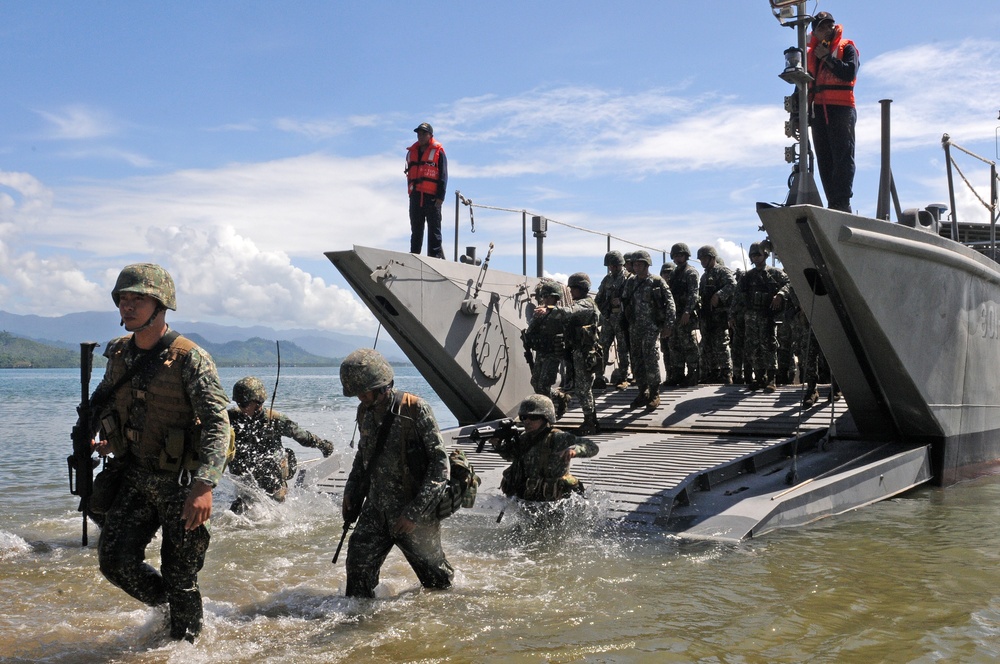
point(504, 429)
point(81, 463)
point(528, 357)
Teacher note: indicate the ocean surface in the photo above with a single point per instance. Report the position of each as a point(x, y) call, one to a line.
point(915, 579)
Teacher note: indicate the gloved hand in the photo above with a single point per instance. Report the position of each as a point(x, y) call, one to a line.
point(326, 447)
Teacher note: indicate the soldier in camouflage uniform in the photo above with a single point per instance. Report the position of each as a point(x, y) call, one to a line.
point(737, 327)
point(579, 323)
point(166, 425)
point(716, 292)
point(649, 309)
point(760, 297)
point(545, 336)
point(793, 334)
point(609, 303)
point(684, 351)
point(665, 271)
point(541, 455)
point(398, 477)
point(260, 458)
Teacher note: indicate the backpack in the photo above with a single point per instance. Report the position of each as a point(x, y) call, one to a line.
point(461, 488)
point(460, 491)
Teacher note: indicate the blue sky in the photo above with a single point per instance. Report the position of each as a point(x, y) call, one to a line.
point(235, 142)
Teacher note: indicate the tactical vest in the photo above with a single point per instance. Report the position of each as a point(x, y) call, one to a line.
point(680, 288)
point(760, 289)
point(545, 335)
point(171, 433)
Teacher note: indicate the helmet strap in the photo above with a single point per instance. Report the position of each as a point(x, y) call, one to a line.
point(156, 312)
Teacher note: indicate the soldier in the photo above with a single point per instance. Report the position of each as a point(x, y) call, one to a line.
point(580, 330)
point(260, 457)
point(790, 336)
point(665, 271)
point(164, 419)
point(716, 291)
point(541, 455)
point(623, 380)
point(684, 350)
point(737, 326)
point(399, 473)
point(545, 336)
point(649, 309)
point(761, 295)
point(609, 303)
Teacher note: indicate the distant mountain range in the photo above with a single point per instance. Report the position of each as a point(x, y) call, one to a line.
point(228, 345)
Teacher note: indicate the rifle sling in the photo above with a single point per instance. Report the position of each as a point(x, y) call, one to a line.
point(382, 436)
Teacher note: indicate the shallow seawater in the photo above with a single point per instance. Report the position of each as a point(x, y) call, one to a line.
point(914, 579)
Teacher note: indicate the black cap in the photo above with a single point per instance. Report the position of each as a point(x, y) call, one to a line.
point(820, 18)
point(425, 127)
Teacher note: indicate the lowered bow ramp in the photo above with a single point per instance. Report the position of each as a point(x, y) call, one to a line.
point(459, 324)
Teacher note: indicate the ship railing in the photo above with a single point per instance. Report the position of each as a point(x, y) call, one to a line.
point(538, 228)
point(992, 207)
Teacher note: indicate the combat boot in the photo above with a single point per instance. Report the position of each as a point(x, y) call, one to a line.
point(769, 386)
point(691, 379)
point(641, 399)
point(673, 380)
point(561, 401)
point(812, 395)
point(726, 378)
point(652, 399)
point(590, 425)
point(835, 392)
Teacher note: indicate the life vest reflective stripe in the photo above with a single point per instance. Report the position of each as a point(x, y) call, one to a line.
point(423, 171)
point(827, 88)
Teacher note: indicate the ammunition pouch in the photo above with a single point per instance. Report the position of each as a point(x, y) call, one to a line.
point(178, 450)
point(107, 484)
point(111, 431)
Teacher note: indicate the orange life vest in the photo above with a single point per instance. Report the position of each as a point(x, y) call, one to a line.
point(423, 171)
point(827, 88)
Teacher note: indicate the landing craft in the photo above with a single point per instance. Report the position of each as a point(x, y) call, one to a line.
point(916, 366)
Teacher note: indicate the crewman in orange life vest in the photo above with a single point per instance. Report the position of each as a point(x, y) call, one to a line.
point(426, 179)
point(833, 62)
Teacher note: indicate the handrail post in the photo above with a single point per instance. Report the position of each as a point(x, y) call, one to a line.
point(458, 198)
point(946, 143)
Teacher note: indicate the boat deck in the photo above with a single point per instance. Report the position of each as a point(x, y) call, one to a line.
point(654, 464)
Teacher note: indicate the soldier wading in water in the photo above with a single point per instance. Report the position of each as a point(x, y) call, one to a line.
point(399, 474)
point(260, 458)
point(164, 419)
point(541, 455)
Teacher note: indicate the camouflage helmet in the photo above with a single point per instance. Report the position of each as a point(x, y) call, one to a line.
point(680, 248)
point(614, 257)
point(548, 287)
point(667, 268)
point(759, 247)
point(579, 280)
point(249, 389)
point(642, 255)
point(538, 404)
point(708, 251)
point(146, 279)
point(363, 370)
point(629, 256)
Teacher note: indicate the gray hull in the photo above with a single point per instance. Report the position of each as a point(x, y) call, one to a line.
point(908, 323)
